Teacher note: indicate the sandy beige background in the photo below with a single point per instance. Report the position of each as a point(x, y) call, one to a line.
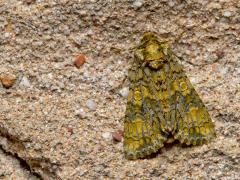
point(58, 119)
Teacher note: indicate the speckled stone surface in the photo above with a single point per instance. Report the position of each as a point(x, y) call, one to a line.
point(11, 168)
point(45, 118)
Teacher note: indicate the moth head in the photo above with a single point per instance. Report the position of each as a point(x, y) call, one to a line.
point(147, 36)
point(151, 51)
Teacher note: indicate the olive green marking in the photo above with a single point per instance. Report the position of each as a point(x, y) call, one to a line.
point(162, 104)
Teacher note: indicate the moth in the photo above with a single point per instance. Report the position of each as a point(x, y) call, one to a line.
point(162, 105)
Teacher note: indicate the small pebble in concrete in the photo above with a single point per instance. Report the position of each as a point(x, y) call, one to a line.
point(80, 113)
point(91, 104)
point(137, 4)
point(24, 83)
point(124, 92)
point(227, 14)
point(106, 135)
point(7, 81)
point(117, 136)
point(80, 60)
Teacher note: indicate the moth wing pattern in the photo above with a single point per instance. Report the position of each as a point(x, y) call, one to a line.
point(193, 122)
point(142, 132)
point(162, 104)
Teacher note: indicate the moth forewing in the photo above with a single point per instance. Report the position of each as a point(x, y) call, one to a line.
point(162, 103)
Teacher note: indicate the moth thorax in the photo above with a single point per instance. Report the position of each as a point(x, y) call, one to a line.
point(152, 48)
point(153, 52)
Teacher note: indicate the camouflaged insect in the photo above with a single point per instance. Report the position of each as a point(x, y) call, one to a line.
point(162, 104)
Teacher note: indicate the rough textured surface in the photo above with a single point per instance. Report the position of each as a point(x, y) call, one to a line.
point(11, 168)
point(44, 116)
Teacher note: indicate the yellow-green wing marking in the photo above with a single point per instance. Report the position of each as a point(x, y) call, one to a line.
point(142, 132)
point(194, 124)
point(162, 103)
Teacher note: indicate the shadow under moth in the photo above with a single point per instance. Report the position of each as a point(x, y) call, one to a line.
point(162, 104)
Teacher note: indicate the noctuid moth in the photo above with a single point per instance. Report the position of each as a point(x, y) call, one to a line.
point(162, 104)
